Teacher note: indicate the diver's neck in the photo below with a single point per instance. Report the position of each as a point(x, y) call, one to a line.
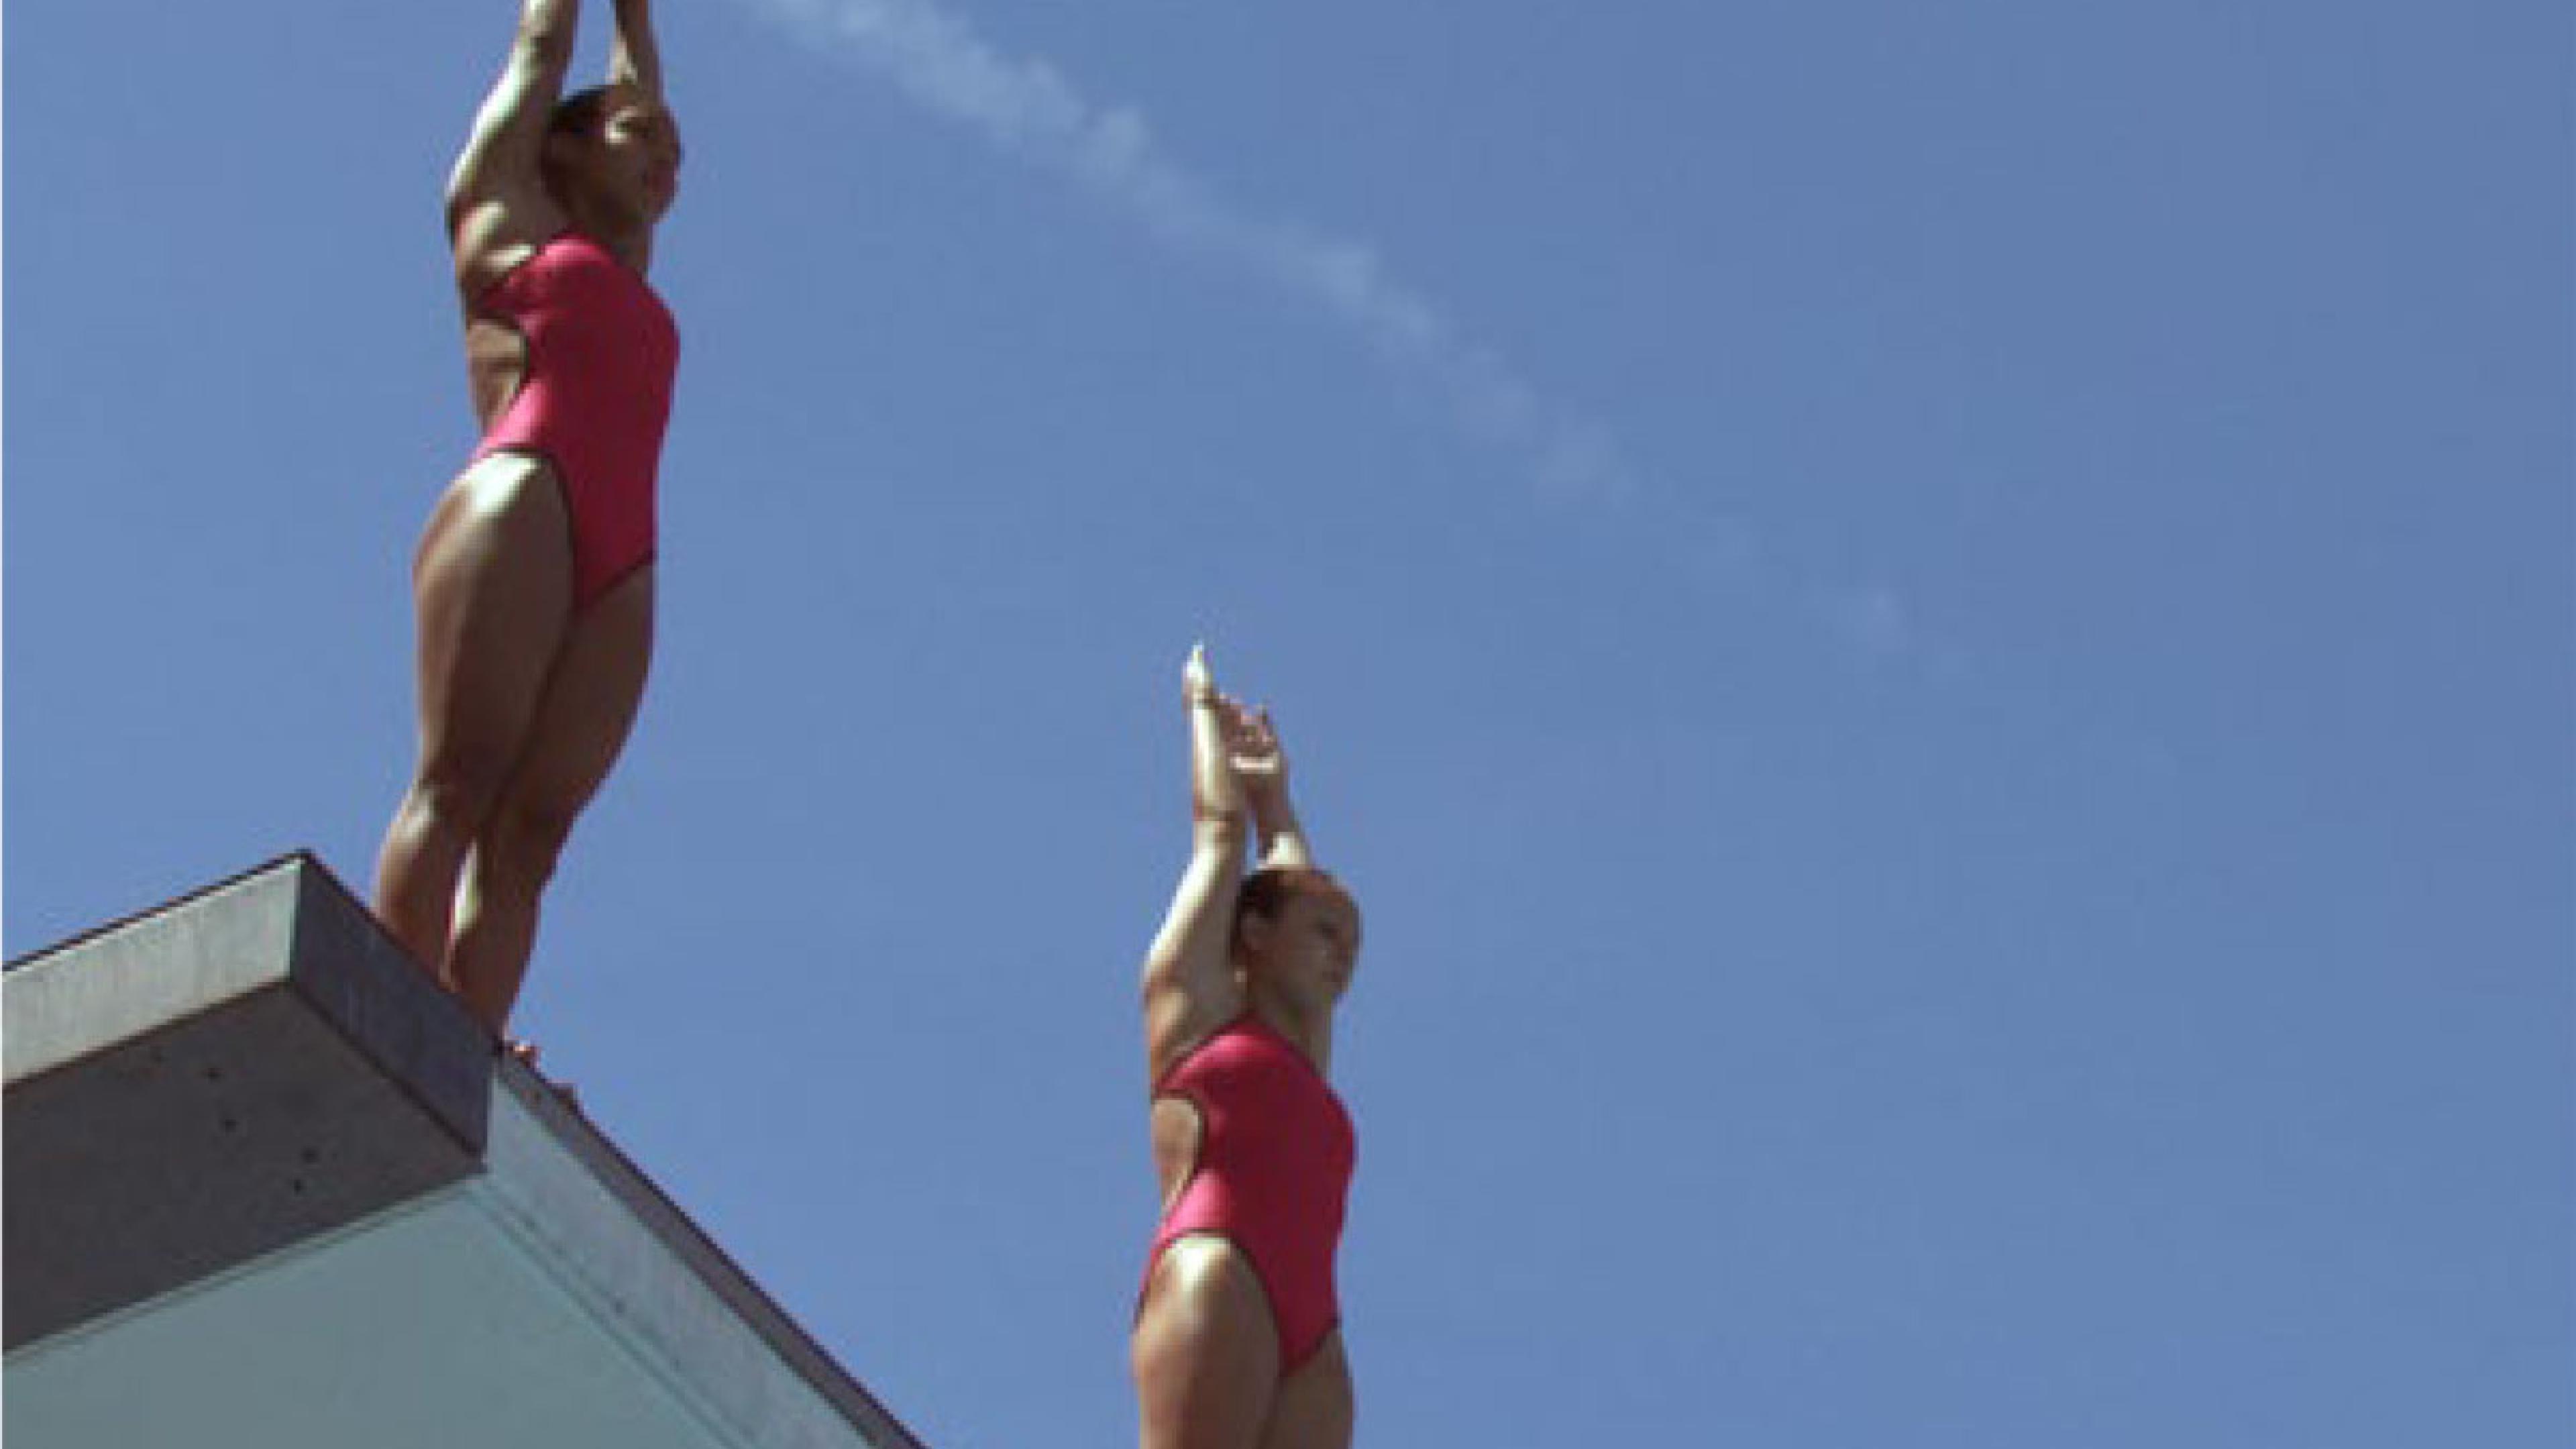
point(1307, 1028)
point(629, 242)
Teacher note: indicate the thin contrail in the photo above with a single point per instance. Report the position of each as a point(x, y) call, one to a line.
point(1026, 107)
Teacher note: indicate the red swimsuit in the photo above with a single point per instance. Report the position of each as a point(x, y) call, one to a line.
point(1274, 1164)
point(593, 399)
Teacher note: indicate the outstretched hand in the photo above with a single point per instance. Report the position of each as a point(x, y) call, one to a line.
point(1237, 762)
point(1248, 744)
point(1197, 684)
point(1252, 747)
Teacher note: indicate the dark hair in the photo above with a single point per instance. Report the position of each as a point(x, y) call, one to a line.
point(580, 113)
point(1267, 891)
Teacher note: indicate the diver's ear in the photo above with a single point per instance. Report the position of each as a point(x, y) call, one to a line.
point(1252, 932)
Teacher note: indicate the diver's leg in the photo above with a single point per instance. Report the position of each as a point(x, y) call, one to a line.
point(492, 589)
point(581, 725)
point(1206, 1351)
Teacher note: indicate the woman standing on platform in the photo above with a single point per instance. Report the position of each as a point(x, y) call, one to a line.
point(1238, 1340)
point(534, 581)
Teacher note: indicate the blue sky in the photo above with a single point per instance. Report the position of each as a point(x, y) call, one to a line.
point(1938, 639)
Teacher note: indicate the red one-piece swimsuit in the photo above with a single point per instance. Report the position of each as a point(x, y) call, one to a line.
point(594, 398)
point(1275, 1155)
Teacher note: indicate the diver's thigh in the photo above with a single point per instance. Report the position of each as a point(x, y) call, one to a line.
point(492, 589)
point(1206, 1354)
point(1314, 1407)
point(588, 706)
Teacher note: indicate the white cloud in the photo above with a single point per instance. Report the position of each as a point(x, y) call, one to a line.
point(1027, 108)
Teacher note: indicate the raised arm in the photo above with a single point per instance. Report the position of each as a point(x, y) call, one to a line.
point(636, 61)
point(1262, 767)
point(497, 192)
point(1189, 984)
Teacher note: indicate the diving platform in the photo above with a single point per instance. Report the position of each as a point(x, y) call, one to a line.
point(267, 1184)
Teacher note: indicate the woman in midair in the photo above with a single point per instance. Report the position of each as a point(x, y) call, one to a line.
point(1238, 1340)
point(533, 584)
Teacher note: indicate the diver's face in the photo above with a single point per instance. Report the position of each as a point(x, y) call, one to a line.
point(1311, 947)
point(630, 166)
point(643, 137)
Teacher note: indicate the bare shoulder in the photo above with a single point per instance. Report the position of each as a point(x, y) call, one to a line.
point(489, 236)
point(1181, 1013)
